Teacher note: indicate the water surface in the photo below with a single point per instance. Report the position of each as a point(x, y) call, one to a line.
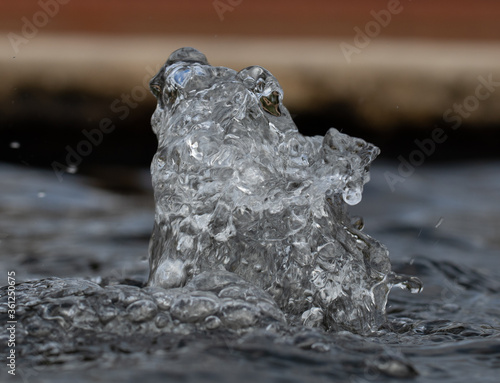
point(441, 224)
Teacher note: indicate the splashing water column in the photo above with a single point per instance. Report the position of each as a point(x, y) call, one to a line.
point(238, 188)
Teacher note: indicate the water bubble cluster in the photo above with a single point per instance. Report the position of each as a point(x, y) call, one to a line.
point(58, 309)
point(238, 188)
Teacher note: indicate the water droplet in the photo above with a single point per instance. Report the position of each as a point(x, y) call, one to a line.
point(413, 284)
point(71, 169)
point(358, 222)
point(439, 222)
point(15, 145)
point(352, 195)
point(41, 194)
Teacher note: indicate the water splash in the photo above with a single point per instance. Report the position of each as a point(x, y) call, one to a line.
point(412, 284)
point(238, 188)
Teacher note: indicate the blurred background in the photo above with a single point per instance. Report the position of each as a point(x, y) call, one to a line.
point(420, 79)
point(383, 70)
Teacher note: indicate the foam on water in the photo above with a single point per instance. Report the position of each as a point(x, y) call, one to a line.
point(238, 188)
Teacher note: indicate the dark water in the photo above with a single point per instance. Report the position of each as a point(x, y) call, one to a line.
point(442, 224)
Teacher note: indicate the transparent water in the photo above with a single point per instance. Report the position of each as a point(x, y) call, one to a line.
point(238, 188)
point(448, 333)
point(85, 314)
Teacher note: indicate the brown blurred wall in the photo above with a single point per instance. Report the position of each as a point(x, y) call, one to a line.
point(430, 19)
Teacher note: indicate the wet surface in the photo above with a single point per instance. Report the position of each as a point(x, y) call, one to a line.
point(441, 224)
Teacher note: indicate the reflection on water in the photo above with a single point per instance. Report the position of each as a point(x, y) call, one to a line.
point(442, 225)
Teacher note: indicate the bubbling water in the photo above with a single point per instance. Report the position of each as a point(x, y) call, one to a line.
point(238, 188)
